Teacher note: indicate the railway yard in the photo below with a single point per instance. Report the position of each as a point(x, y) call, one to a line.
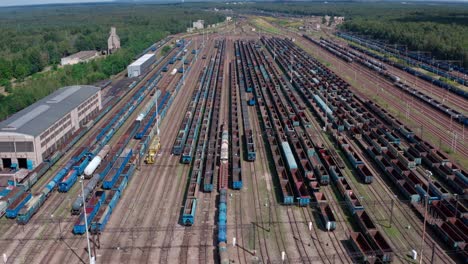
point(242, 146)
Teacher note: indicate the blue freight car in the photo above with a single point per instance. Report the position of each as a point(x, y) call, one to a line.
point(81, 165)
point(222, 216)
point(251, 101)
point(59, 176)
point(149, 123)
point(128, 171)
point(84, 152)
point(101, 219)
point(187, 158)
point(422, 192)
point(68, 181)
point(4, 192)
point(222, 230)
point(15, 207)
point(115, 199)
point(237, 185)
point(30, 208)
point(49, 188)
point(121, 184)
point(91, 210)
point(116, 170)
point(80, 226)
point(188, 217)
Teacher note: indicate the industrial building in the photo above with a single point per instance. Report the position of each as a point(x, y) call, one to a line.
point(199, 24)
point(141, 65)
point(113, 42)
point(32, 134)
point(82, 56)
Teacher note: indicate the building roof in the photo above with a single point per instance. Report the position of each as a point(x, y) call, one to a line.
point(82, 55)
point(38, 117)
point(142, 60)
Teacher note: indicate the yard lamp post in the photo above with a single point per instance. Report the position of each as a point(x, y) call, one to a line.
point(91, 258)
point(429, 175)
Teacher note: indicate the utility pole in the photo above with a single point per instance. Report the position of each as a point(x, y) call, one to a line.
point(183, 69)
point(291, 69)
point(91, 259)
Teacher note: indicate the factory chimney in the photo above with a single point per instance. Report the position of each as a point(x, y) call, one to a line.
point(113, 43)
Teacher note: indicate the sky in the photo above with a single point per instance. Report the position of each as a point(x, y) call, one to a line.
point(38, 2)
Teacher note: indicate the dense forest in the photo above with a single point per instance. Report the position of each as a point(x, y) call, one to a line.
point(441, 29)
point(34, 38)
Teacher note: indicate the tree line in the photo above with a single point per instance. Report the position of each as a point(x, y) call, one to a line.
point(440, 29)
point(33, 38)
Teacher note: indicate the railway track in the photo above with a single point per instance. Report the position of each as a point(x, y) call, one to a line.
point(188, 234)
point(132, 205)
point(237, 201)
point(354, 188)
point(378, 197)
point(422, 85)
point(298, 238)
point(258, 229)
point(53, 204)
point(447, 124)
point(155, 211)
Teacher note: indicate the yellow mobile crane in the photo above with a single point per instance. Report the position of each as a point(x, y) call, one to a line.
point(155, 142)
point(153, 150)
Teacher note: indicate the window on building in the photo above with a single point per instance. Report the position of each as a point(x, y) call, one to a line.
point(26, 146)
point(7, 147)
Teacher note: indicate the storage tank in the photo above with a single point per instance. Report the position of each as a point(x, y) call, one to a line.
point(92, 166)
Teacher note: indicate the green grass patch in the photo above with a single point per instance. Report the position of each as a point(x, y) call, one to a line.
point(264, 25)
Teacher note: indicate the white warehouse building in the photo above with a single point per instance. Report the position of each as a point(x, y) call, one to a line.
point(140, 66)
point(34, 133)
